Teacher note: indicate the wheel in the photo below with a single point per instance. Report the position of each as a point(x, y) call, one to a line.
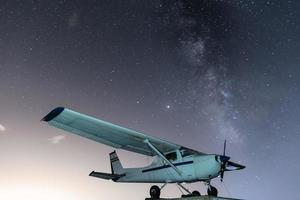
point(196, 193)
point(212, 191)
point(155, 192)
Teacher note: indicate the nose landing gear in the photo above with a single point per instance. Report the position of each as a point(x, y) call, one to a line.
point(212, 191)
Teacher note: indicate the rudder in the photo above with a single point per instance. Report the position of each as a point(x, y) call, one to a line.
point(116, 166)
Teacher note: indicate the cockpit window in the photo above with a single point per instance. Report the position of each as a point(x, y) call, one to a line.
point(171, 156)
point(186, 152)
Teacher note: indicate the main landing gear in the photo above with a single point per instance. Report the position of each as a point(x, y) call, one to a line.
point(190, 194)
point(154, 192)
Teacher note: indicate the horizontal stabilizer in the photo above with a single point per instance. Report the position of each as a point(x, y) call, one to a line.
point(106, 176)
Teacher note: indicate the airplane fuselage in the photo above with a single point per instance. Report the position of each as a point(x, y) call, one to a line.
point(194, 168)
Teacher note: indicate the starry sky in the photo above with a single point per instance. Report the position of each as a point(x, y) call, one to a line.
point(191, 72)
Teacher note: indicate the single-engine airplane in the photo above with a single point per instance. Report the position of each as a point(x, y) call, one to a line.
point(172, 163)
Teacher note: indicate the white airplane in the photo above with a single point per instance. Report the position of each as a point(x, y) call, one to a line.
point(172, 164)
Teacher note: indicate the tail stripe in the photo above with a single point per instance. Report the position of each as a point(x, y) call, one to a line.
point(116, 166)
point(114, 160)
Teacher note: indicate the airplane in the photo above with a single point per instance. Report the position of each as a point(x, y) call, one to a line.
point(172, 163)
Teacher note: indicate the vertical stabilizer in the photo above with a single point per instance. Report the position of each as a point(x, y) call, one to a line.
point(116, 166)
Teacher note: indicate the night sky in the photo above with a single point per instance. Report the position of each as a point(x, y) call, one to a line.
point(191, 72)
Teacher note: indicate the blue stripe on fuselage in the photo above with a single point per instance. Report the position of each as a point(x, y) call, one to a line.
point(167, 166)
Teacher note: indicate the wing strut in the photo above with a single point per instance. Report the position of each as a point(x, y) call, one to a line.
point(162, 156)
point(184, 188)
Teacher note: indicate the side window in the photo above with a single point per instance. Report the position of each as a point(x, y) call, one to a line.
point(185, 153)
point(171, 156)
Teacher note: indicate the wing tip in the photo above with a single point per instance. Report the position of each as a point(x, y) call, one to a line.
point(91, 174)
point(52, 114)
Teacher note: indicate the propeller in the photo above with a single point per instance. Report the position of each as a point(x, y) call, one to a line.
point(224, 159)
point(227, 165)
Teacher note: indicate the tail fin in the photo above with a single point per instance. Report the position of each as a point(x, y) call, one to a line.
point(116, 166)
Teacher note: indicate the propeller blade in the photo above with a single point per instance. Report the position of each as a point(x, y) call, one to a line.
point(222, 175)
point(224, 159)
point(224, 150)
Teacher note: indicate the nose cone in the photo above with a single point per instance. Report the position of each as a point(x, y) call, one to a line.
point(231, 166)
point(242, 167)
point(224, 159)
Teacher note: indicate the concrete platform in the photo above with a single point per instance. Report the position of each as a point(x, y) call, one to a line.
point(196, 198)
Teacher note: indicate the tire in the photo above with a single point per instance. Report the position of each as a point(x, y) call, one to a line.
point(155, 192)
point(212, 191)
point(196, 193)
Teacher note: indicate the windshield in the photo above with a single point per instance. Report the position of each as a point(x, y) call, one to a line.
point(187, 152)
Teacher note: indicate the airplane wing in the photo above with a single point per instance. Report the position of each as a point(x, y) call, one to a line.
point(107, 133)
